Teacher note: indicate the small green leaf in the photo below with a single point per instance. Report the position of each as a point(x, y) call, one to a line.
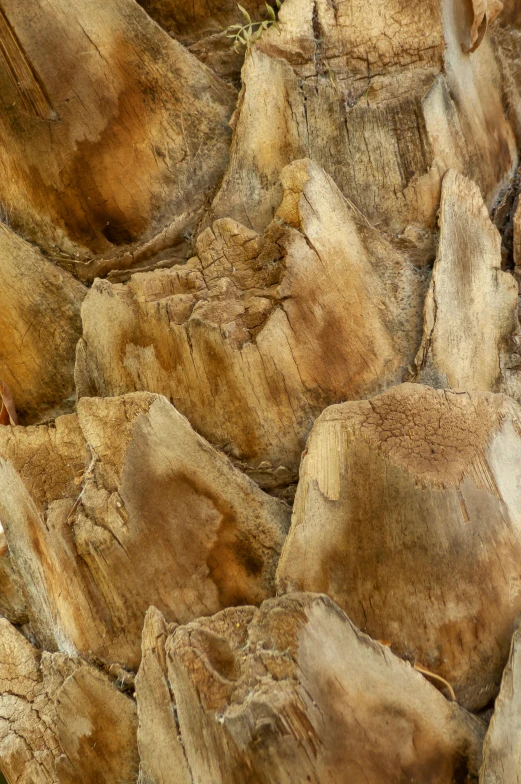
point(277, 27)
point(271, 12)
point(244, 13)
point(278, 3)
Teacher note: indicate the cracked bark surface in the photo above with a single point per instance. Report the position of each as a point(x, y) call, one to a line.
point(379, 94)
point(408, 515)
point(254, 337)
point(293, 692)
point(217, 270)
point(100, 529)
point(61, 721)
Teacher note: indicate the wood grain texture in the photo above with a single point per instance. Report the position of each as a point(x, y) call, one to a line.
point(502, 746)
point(39, 328)
point(254, 337)
point(124, 506)
point(293, 692)
point(408, 515)
point(471, 330)
point(382, 96)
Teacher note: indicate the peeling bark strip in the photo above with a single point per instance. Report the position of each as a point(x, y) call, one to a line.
point(29, 87)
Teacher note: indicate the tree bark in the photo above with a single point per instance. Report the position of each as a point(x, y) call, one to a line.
point(260, 388)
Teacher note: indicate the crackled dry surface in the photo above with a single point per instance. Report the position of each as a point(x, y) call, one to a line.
point(234, 279)
point(254, 337)
point(383, 96)
point(61, 721)
point(293, 692)
point(100, 507)
point(408, 514)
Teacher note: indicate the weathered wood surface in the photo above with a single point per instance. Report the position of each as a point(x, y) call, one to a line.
point(111, 129)
point(39, 328)
point(502, 746)
point(293, 692)
point(61, 721)
point(261, 256)
point(471, 323)
point(189, 22)
point(124, 506)
point(382, 96)
point(258, 334)
point(12, 604)
point(408, 514)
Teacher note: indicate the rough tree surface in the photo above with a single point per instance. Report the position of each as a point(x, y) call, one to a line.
point(502, 747)
point(293, 692)
point(408, 514)
point(260, 391)
point(255, 336)
point(101, 529)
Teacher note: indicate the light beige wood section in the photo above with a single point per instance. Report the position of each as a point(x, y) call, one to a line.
point(293, 692)
point(502, 746)
point(408, 514)
point(254, 337)
point(124, 506)
point(471, 312)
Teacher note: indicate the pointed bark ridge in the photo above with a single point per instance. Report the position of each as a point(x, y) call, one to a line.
point(408, 514)
point(61, 721)
point(99, 507)
point(112, 129)
point(502, 746)
point(382, 96)
point(471, 325)
point(258, 334)
point(293, 692)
